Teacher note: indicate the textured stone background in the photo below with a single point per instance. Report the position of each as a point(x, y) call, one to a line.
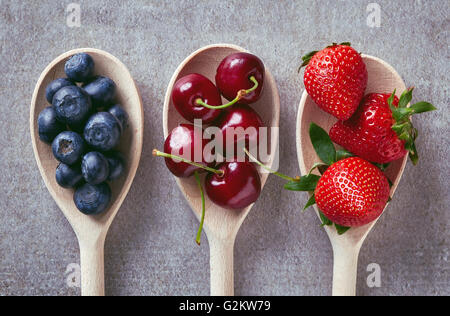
point(149, 249)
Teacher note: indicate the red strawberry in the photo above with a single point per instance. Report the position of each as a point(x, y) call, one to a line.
point(336, 79)
point(352, 192)
point(381, 131)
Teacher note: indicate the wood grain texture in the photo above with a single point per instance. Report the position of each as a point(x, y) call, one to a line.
point(91, 230)
point(383, 79)
point(221, 225)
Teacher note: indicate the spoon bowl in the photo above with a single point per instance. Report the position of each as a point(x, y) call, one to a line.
point(91, 230)
point(382, 79)
point(221, 225)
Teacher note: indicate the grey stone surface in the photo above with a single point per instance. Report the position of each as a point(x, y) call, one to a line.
point(279, 251)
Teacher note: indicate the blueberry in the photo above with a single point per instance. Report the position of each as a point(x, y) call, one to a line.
point(101, 90)
point(48, 125)
point(116, 165)
point(68, 147)
point(54, 86)
point(102, 131)
point(92, 199)
point(120, 114)
point(68, 176)
point(80, 67)
point(72, 105)
point(95, 167)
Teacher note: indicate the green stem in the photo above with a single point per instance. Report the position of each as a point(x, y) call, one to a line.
point(240, 94)
point(202, 221)
point(158, 153)
point(283, 176)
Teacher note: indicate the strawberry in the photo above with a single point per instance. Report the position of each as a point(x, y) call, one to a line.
point(352, 192)
point(336, 79)
point(381, 130)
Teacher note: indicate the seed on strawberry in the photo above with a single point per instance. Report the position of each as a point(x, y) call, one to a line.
point(336, 79)
point(381, 130)
point(352, 192)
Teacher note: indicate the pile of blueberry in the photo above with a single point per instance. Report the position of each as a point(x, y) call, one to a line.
point(83, 126)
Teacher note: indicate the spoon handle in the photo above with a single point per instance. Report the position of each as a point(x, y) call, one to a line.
point(221, 263)
point(92, 268)
point(345, 269)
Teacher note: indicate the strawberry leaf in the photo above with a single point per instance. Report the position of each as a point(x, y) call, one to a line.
point(404, 136)
point(307, 58)
point(381, 166)
point(421, 107)
point(401, 114)
point(341, 229)
point(413, 155)
point(391, 101)
point(325, 220)
point(323, 168)
point(405, 98)
point(311, 202)
point(403, 126)
point(306, 183)
point(322, 144)
point(343, 154)
point(391, 184)
point(317, 165)
point(398, 128)
point(343, 44)
point(415, 133)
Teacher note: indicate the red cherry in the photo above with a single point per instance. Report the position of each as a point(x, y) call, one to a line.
point(240, 116)
point(190, 88)
point(184, 141)
point(234, 73)
point(238, 186)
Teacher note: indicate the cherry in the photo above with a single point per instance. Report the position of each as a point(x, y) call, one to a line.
point(188, 90)
point(184, 141)
point(240, 116)
point(235, 73)
point(238, 186)
point(233, 185)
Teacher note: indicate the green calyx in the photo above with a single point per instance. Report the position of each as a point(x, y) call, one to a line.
point(326, 151)
point(326, 222)
point(343, 44)
point(403, 126)
point(307, 58)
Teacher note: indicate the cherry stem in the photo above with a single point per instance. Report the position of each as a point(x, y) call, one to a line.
point(283, 176)
point(158, 153)
point(240, 95)
point(202, 221)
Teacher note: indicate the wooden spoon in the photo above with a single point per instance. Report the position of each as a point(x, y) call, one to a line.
point(383, 79)
point(91, 230)
point(221, 225)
